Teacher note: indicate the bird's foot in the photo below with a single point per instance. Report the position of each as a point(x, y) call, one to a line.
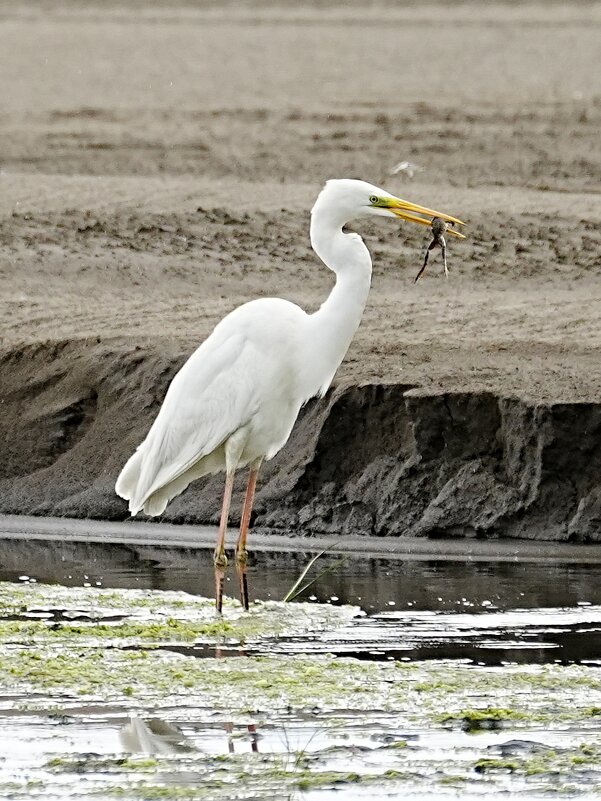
point(443, 246)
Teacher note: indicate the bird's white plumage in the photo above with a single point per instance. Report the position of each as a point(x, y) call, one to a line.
point(407, 167)
point(235, 401)
point(256, 397)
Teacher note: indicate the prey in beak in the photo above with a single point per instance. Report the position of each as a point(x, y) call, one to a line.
point(414, 213)
point(439, 228)
point(417, 214)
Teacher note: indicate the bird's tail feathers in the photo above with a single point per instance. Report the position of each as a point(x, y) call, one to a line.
point(141, 484)
point(129, 477)
point(131, 484)
point(155, 503)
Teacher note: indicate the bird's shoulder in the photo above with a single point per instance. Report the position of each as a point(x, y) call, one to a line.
point(254, 331)
point(264, 322)
point(276, 310)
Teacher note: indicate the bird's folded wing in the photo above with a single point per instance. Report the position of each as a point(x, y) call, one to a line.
point(211, 397)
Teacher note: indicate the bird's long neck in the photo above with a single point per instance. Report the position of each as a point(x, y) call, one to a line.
point(332, 327)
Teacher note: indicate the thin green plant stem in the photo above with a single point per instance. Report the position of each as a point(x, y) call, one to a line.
point(323, 572)
point(297, 589)
point(292, 591)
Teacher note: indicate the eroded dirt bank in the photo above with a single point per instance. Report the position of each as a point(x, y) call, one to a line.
point(383, 460)
point(145, 191)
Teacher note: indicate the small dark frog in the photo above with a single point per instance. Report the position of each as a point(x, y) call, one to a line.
point(439, 229)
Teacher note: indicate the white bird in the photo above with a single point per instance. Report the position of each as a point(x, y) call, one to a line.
point(235, 401)
point(408, 167)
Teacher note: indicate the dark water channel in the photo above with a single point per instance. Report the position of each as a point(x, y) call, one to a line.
point(488, 612)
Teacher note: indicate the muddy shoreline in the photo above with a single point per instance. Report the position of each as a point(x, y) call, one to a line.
point(366, 461)
point(191, 538)
point(151, 193)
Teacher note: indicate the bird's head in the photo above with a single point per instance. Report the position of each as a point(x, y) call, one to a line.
point(343, 200)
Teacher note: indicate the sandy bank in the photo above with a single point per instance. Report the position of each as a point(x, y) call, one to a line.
point(154, 191)
point(381, 460)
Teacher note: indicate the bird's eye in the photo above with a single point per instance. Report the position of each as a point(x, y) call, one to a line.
point(373, 199)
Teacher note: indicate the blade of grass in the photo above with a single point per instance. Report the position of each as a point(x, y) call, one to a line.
point(323, 572)
point(296, 589)
point(292, 591)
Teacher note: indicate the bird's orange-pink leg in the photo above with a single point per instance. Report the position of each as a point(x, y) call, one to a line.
point(220, 559)
point(241, 552)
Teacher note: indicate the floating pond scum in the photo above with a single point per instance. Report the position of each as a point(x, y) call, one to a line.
point(104, 696)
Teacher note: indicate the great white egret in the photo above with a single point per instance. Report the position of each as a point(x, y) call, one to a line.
point(235, 401)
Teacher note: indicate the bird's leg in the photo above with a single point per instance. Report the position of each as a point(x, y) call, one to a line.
point(241, 552)
point(220, 559)
point(443, 246)
point(438, 241)
point(431, 246)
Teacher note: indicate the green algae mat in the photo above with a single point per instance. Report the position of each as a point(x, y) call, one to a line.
point(145, 694)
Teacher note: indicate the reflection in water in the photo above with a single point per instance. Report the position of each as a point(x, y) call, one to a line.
point(153, 736)
point(156, 736)
point(253, 737)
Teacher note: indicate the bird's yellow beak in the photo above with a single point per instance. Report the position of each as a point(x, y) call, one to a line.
point(411, 211)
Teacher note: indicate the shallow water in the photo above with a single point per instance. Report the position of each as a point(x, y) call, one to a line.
point(519, 638)
point(416, 609)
